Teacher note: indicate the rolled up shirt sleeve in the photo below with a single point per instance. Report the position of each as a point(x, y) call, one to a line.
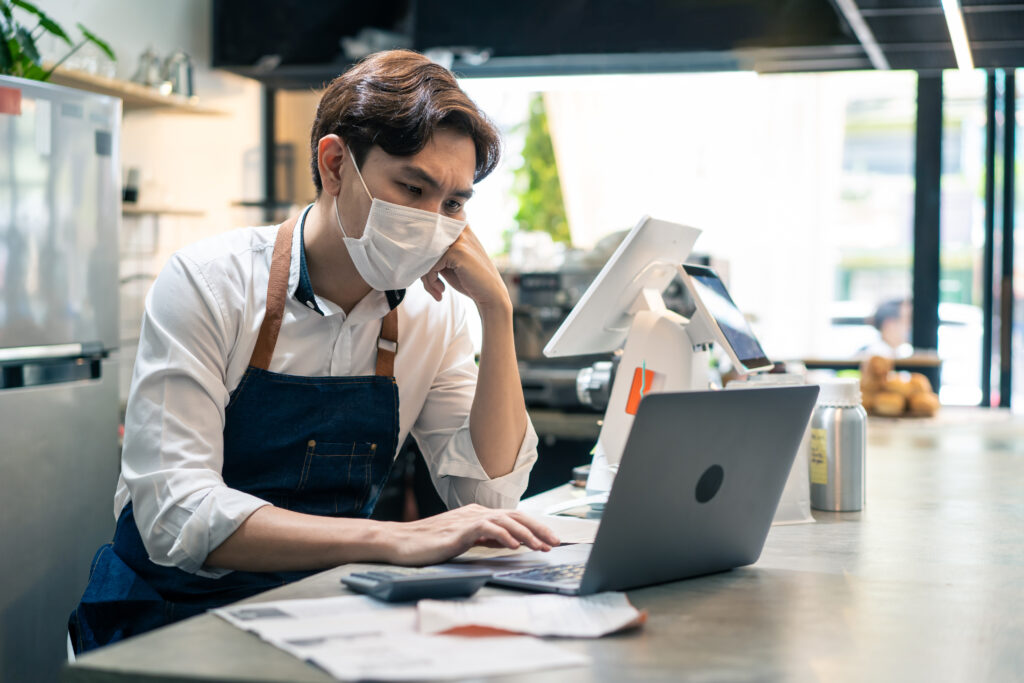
point(173, 451)
point(442, 432)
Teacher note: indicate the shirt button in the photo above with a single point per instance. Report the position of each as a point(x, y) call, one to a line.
point(312, 443)
point(310, 304)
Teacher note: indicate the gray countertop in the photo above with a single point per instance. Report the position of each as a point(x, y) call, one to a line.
point(926, 583)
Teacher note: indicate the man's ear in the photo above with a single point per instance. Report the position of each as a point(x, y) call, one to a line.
point(332, 155)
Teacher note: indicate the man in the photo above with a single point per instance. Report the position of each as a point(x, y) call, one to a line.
point(264, 412)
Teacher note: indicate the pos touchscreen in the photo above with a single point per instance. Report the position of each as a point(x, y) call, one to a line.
point(733, 332)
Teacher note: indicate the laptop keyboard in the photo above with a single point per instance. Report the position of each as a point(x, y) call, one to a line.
point(557, 573)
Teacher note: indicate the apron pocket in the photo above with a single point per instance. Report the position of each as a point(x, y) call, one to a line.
point(347, 449)
point(338, 475)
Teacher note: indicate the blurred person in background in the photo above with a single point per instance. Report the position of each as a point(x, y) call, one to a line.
point(892, 320)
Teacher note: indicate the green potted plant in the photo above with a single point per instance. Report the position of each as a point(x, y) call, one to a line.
point(18, 53)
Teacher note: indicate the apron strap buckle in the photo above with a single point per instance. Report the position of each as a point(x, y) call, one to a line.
point(387, 344)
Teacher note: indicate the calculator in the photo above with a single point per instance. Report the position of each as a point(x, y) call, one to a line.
point(401, 584)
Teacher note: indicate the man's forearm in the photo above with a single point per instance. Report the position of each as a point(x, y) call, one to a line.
point(497, 421)
point(274, 539)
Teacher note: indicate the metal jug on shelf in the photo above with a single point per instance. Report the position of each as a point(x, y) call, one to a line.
point(148, 72)
point(178, 72)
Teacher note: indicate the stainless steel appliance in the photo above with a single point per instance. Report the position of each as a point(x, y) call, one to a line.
point(59, 223)
point(541, 300)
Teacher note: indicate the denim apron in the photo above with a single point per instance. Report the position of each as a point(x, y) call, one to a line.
point(316, 445)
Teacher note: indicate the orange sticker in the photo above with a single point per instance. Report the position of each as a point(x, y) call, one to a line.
point(10, 101)
point(642, 379)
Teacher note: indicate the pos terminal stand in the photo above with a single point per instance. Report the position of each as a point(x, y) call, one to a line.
point(663, 351)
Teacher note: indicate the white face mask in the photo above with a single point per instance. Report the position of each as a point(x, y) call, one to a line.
point(400, 244)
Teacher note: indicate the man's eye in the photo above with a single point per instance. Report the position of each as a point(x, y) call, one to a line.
point(452, 206)
point(412, 189)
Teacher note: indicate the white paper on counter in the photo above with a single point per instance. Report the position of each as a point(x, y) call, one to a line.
point(353, 637)
point(285, 621)
point(483, 552)
point(569, 529)
point(589, 616)
point(406, 657)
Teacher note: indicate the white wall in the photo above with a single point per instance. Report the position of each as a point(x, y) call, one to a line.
point(193, 162)
point(199, 163)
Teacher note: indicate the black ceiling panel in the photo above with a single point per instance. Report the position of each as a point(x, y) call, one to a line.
point(986, 26)
point(989, 3)
point(909, 28)
point(294, 31)
point(529, 37)
point(896, 5)
point(922, 57)
point(912, 34)
point(530, 28)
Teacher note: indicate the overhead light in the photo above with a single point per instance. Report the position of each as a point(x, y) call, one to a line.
point(863, 32)
point(958, 34)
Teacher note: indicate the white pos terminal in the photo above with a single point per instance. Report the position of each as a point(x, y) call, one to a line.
point(662, 351)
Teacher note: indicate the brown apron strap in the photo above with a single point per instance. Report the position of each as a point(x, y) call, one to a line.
point(277, 293)
point(387, 344)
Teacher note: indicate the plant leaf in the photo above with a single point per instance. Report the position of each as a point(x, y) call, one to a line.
point(6, 59)
point(54, 28)
point(28, 45)
point(97, 42)
point(28, 7)
point(44, 20)
point(14, 49)
point(5, 10)
point(19, 62)
point(35, 72)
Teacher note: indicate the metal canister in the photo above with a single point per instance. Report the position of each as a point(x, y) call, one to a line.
point(838, 447)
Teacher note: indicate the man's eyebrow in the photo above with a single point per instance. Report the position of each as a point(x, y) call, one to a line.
point(427, 179)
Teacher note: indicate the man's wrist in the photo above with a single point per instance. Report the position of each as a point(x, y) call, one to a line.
point(498, 308)
point(375, 542)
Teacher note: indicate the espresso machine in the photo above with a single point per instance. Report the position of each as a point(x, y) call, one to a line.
point(541, 301)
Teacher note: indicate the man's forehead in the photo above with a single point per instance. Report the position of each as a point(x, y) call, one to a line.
point(446, 158)
point(436, 174)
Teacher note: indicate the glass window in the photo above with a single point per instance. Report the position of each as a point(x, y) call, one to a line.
point(803, 184)
point(1017, 381)
point(962, 234)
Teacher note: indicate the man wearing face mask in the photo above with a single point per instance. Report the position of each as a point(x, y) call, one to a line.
point(279, 369)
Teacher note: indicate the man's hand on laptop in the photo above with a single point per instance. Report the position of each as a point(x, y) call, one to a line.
point(444, 536)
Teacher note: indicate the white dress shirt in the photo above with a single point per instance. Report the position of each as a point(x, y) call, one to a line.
point(200, 324)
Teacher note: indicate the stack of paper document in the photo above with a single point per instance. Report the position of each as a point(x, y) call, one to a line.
point(356, 637)
point(590, 616)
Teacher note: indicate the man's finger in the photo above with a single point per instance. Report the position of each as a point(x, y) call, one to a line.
point(433, 285)
point(498, 533)
point(539, 529)
point(522, 533)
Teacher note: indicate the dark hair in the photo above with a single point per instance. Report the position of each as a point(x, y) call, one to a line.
point(888, 310)
point(397, 100)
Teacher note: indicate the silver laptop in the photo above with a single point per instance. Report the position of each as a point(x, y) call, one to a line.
point(696, 491)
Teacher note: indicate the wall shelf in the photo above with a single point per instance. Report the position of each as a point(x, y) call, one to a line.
point(142, 210)
point(134, 96)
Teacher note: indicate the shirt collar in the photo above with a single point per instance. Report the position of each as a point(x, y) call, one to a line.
point(303, 288)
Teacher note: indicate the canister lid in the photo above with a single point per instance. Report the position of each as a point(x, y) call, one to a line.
point(842, 391)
